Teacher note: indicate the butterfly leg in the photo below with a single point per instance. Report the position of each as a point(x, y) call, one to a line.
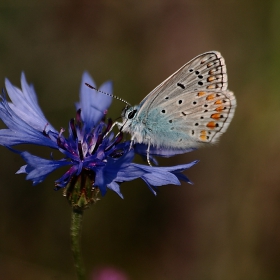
point(114, 124)
point(131, 144)
point(148, 153)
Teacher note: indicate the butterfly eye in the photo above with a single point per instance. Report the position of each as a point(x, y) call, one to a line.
point(131, 114)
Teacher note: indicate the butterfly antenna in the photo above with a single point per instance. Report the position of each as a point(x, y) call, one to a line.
point(106, 93)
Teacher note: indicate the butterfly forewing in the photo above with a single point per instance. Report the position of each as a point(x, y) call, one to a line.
point(205, 72)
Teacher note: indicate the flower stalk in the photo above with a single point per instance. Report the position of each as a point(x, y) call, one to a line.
point(80, 193)
point(75, 233)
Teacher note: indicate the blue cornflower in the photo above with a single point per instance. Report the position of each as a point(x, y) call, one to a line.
point(97, 159)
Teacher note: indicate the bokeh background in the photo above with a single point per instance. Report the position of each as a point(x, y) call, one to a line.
point(225, 226)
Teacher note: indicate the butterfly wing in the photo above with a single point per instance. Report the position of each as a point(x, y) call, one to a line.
point(192, 106)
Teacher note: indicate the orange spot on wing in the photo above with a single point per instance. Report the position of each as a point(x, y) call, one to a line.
point(215, 116)
point(203, 137)
point(219, 109)
point(211, 125)
point(218, 102)
point(201, 93)
point(203, 132)
point(210, 79)
point(211, 96)
point(211, 87)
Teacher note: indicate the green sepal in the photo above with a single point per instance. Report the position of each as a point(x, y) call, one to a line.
point(80, 191)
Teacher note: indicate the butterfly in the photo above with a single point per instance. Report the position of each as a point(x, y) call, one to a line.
point(190, 108)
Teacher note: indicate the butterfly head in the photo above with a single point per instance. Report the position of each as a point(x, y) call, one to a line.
point(130, 122)
point(129, 113)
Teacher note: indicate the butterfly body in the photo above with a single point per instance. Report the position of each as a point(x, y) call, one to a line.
point(190, 108)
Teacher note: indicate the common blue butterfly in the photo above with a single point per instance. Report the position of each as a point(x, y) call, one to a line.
point(191, 107)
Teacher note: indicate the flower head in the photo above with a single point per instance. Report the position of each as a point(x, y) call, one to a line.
point(97, 159)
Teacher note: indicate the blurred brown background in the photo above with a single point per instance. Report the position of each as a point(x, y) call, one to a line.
point(226, 226)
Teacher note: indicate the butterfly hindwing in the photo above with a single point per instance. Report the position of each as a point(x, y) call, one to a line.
point(191, 118)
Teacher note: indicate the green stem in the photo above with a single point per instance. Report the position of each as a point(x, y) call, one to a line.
point(76, 224)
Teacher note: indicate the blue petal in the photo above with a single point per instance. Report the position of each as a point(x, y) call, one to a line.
point(183, 177)
point(116, 188)
point(175, 168)
point(106, 100)
point(67, 176)
point(149, 186)
point(25, 105)
point(38, 168)
point(93, 104)
point(154, 176)
point(107, 174)
point(161, 178)
point(129, 173)
point(19, 132)
point(141, 149)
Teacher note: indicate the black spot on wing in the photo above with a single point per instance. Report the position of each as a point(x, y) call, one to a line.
point(181, 85)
